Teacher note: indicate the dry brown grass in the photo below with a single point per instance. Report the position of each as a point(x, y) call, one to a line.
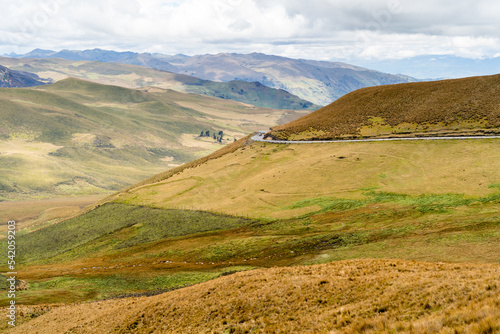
point(452, 104)
point(359, 296)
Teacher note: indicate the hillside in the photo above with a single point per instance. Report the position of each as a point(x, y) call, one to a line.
point(12, 78)
point(320, 82)
point(86, 138)
point(362, 296)
point(252, 206)
point(469, 106)
point(132, 76)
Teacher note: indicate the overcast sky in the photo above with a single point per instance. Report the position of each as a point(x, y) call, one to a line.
point(313, 29)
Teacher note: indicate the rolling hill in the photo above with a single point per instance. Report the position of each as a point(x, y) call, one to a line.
point(78, 137)
point(469, 106)
point(320, 82)
point(12, 78)
point(377, 207)
point(132, 76)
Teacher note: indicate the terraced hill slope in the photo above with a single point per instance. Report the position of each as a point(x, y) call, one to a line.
point(318, 81)
point(449, 107)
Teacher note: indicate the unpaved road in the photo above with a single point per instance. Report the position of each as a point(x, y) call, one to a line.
point(260, 137)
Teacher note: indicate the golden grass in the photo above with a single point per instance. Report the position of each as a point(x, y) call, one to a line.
point(357, 296)
point(428, 108)
point(263, 180)
point(230, 148)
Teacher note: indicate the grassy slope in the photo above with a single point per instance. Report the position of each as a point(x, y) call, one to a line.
point(433, 201)
point(459, 106)
point(31, 213)
point(369, 296)
point(78, 133)
point(419, 201)
point(132, 76)
point(279, 181)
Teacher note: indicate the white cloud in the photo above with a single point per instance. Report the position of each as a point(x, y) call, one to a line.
point(319, 29)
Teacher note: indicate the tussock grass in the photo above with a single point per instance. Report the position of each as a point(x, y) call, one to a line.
point(369, 296)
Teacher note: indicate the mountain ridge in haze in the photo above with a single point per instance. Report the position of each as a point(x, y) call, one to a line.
point(434, 67)
point(11, 78)
point(137, 76)
point(320, 82)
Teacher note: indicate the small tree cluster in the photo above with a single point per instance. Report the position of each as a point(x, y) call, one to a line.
point(216, 136)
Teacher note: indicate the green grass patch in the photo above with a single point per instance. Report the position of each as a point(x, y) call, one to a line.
point(494, 186)
point(423, 203)
point(328, 204)
point(157, 224)
point(151, 225)
point(115, 285)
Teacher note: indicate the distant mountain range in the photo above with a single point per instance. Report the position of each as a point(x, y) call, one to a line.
point(133, 76)
point(320, 82)
point(12, 78)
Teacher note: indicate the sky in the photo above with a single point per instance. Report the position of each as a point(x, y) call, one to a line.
point(346, 30)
